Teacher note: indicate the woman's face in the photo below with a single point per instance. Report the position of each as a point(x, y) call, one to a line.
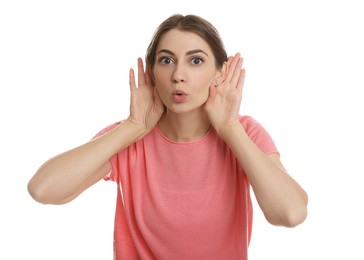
point(184, 70)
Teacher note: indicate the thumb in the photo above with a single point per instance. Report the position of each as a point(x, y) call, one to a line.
point(211, 98)
point(212, 92)
point(157, 98)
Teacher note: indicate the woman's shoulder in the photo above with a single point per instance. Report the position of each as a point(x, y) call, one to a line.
point(252, 126)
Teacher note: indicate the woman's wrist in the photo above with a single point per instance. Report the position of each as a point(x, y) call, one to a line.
point(133, 130)
point(228, 131)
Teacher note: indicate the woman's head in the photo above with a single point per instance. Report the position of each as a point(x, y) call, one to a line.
point(189, 23)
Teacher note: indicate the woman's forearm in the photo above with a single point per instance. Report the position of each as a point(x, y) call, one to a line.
point(280, 197)
point(65, 176)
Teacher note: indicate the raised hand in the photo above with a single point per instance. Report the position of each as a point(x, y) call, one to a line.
point(224, 100)
point(146, 107)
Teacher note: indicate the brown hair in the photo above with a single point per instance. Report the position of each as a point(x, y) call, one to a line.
point(190, 23)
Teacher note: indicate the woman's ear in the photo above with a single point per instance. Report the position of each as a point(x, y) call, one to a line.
point(221, 74)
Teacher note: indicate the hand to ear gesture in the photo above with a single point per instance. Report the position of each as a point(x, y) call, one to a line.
point(146, 107)
point(224, 100)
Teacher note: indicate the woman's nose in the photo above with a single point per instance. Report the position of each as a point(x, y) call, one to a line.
point(178, 74)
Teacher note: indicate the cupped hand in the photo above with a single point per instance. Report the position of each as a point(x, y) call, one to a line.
point(224, 100)
point(146, 107)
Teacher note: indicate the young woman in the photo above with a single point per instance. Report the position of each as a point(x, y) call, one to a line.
point(185, 159)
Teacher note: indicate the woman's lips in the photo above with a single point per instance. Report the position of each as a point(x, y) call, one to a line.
point(179, 96)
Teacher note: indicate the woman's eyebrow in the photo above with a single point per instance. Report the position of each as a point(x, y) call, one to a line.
point(166, 51)
point(188, 53)
point(196, 51)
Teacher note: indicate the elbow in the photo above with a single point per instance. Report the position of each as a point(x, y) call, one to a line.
point(296, 214)
point(289, 218)
point(35, 192)
point(295, 218)
point(42, 194)
point(39, 193)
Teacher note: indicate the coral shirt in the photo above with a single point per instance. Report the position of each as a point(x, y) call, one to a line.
point(183, 200)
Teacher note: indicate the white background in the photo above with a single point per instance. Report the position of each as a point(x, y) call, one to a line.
point(64, 76)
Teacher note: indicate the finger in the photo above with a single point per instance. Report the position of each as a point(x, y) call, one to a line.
point(237, 73)
point(148, 76)
point(228, 62)
point(132, 80)
point(141, 74)
point(212, 92)
point(158, 100)
point(241, 80)
point(232, 66)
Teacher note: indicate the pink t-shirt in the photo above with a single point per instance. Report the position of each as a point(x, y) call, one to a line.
point(183, 200)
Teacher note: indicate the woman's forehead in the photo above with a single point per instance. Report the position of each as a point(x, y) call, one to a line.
point(178, 40)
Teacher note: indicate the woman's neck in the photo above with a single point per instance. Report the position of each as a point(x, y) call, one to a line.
point(184, 127)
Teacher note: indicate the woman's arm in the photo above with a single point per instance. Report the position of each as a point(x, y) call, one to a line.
point(65, 176)
point(280, 197)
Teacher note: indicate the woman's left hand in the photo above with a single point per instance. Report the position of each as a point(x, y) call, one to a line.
point(224, 100)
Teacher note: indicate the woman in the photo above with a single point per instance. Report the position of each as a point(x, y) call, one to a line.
point(184, 159)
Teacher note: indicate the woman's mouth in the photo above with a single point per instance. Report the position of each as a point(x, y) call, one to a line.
point(179, 96)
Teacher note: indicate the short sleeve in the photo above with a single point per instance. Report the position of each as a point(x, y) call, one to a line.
point(258, 134)
point(106, 129)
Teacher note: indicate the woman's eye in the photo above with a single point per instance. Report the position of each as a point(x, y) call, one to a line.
point(197, 61)
point(165, 60)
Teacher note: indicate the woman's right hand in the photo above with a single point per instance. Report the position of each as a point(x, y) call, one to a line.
point(146, 107)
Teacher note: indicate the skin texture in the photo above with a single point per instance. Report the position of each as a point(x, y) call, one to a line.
point(189, 95)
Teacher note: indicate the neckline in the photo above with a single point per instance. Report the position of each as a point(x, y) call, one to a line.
point(202, 138)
